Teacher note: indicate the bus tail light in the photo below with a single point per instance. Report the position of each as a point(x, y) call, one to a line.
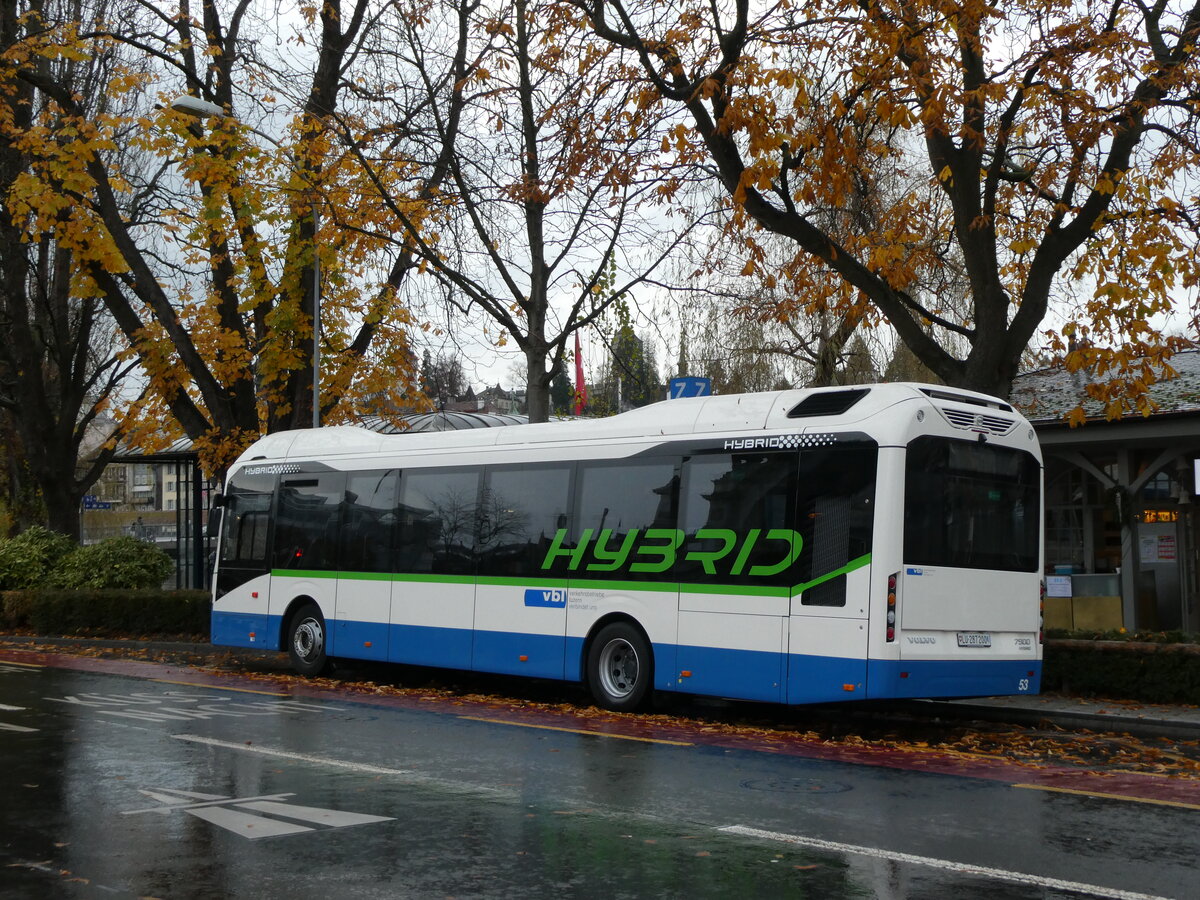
point(1042, 614)
point(891, 607)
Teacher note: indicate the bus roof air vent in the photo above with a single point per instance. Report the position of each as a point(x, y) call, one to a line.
point(827, 403)
point(937, 394)
point(980, 422)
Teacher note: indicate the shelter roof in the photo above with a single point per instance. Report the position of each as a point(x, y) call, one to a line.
point(181, 449)
point(1047, 395)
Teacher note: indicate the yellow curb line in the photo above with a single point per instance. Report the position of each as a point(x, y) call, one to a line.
point(600, 734)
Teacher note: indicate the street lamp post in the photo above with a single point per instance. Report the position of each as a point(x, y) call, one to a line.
point(203, 109)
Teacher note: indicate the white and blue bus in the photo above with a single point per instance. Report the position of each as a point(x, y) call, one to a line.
point(792, 547)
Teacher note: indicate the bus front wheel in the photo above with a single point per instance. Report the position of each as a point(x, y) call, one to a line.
point(620, 667)
point(306, 640)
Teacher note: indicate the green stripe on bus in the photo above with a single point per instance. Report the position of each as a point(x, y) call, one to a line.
point(737, 590)
point(864, 560)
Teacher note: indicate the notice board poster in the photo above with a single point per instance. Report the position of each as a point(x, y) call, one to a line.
point(1058, 585)
point(1148, 549)
point(1157, 548)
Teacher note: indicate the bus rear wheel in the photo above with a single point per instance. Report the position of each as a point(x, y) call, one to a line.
point(620, 667)
point(306, 640)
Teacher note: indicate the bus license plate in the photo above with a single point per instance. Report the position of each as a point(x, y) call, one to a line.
point(974, 639)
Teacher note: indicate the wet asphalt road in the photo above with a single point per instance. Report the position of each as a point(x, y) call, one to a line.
point(135, 786)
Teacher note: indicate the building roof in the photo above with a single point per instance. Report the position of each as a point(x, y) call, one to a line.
point(1048, 395)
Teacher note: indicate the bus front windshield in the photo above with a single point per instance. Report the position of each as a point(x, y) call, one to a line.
point(971, 505)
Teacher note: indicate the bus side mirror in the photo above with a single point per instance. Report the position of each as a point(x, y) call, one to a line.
point(213, 527)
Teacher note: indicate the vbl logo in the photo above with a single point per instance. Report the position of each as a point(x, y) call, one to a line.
point(554, 597)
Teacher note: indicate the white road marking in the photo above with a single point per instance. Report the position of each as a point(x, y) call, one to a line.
point(288, 754)
point(175, 800)
point(332, 818)
point(246, 825)
point(7, 708)
point(4, 726)
point(742, 830)
point(935, 863)
point(182, 706)
point(412, 777)
point(251, 817)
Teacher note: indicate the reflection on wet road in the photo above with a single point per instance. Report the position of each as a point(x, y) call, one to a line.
point(127, 779)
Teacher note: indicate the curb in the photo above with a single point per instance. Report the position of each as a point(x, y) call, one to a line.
point(117, 643)
point(1175, 729)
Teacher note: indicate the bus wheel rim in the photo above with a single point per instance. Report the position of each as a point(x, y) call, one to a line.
point(619, 668)
point(309, 639)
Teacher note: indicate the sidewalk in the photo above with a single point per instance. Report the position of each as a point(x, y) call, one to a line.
point(1142, 719)
point(1148, 720)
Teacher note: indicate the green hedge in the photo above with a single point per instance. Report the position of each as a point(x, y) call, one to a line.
point(1139, 637)
point(30, 558)
point(106, 613)
point(39, 558)
point(1126, 670)
point(117, 562)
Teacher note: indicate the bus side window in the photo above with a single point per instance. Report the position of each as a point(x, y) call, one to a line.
point(246, 519)
point(523, 508)
point(437, 521)
point(368, 522)
point(835, 515)
point(247, 515)
point(738, 519)
point(306, 521)
point(626, 525)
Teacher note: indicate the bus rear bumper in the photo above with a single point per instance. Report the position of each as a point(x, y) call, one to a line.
point(934, 679)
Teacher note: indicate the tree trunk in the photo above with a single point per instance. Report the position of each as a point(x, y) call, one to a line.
point(537, 389)
point(62, 507)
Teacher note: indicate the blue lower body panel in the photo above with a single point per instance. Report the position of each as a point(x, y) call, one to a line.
point(421, 646)
point(825, 679)
point(953, 678)
point(359, 640)
point(737, 674)
point(245, 630)
point(574, 662)
point(509, 653)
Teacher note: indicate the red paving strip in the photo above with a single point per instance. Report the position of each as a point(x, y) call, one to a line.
point(1178, 790)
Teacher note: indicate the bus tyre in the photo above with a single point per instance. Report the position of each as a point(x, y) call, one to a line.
point(620, 667)
point(306, 640)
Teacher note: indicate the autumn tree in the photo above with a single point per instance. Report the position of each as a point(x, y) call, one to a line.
point(760, 331)
point(562, 395)
point(59, 359)
point(732, 352)
point(629, 376)
point(204, 243)
point(546, 218)
point(1060, 139)
point(442, 379)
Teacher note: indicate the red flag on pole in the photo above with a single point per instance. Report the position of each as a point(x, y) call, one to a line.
point(580, 384)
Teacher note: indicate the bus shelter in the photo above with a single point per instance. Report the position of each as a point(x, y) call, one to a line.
point(169, 508)
point(1121, 542)
point(165, 496)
